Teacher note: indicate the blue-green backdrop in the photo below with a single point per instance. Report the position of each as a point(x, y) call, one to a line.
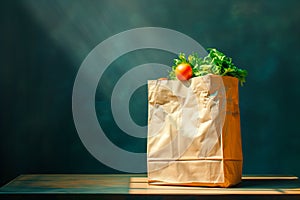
point(43, 44)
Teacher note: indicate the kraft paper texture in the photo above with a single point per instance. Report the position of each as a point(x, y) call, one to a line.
point(194, 132)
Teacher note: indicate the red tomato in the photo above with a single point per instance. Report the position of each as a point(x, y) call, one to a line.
point(184, 71)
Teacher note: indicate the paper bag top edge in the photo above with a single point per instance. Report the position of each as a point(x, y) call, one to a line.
point(201, 77)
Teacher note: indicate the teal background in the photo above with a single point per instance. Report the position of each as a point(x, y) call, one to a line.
point(43, 44)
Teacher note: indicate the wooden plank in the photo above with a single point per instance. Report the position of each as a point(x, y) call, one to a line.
point(144, 179)
point(133, 184)
point(139, 188)
point(205, 192)
point(139, 185)
point(66, 183)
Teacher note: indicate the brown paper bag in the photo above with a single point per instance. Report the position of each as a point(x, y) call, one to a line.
point(194, 132)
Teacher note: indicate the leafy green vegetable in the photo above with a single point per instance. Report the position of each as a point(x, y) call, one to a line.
point(215, 62)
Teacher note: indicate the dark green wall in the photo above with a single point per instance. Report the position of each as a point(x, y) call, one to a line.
point(43, 44)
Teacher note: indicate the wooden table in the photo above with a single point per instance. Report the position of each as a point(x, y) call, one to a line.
point(133, 186)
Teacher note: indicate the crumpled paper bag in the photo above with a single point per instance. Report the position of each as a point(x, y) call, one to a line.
point(194, 132)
